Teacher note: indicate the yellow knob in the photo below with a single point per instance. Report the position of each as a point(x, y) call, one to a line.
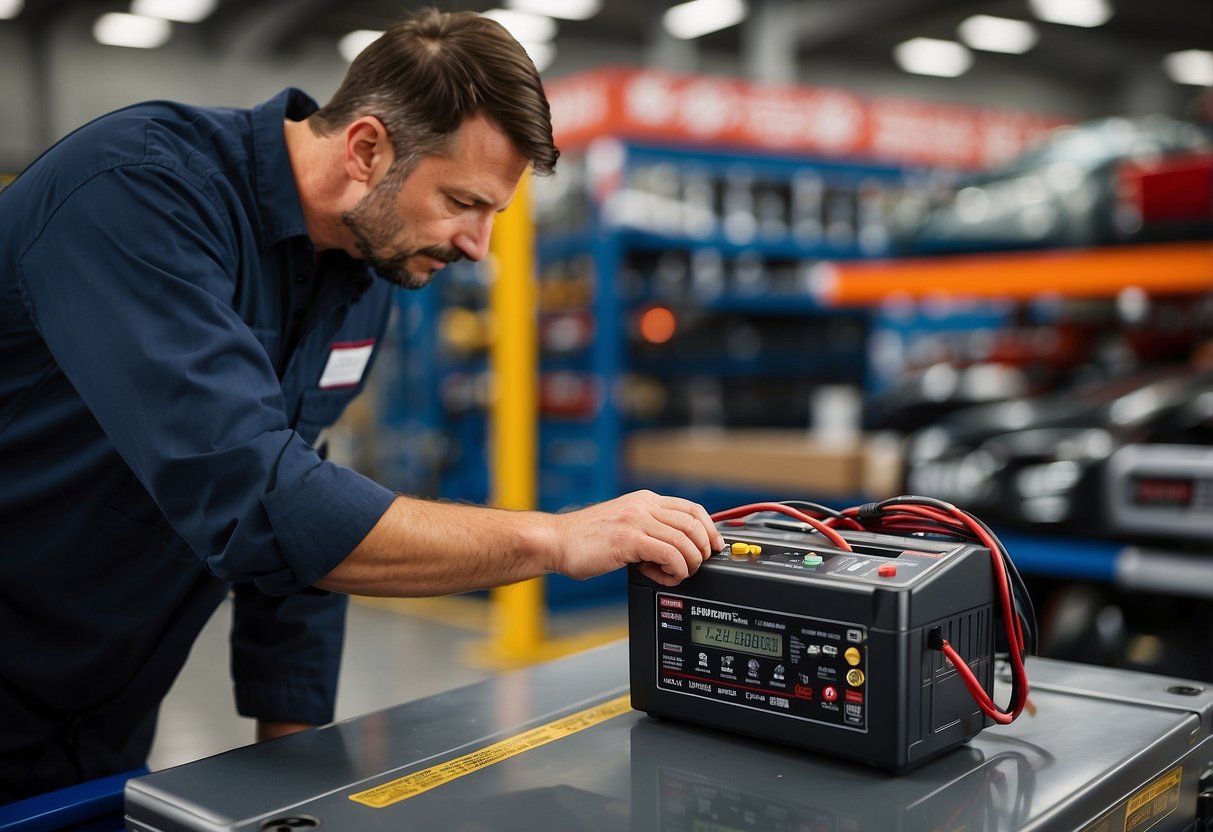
point(852, 656)
point(755, 550)
point(739, 549)
point(855, 677)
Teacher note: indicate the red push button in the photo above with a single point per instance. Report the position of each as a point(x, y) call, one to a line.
point(829, 694)
point(886, 570)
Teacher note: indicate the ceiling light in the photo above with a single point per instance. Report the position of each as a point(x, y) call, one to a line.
point(931, 56)
point(10, 8)
point(1191, 66)
point(541, 54)
point(1073, 12)
point(997, 34)
point(563, 9)
point(697, 18)
point(524, 26)
point(182, 11)
point(352, 44)
point(118, 29)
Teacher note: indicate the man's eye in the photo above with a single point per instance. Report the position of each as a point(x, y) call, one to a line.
point(459, 203)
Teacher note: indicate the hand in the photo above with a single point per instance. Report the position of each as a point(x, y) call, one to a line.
point(668, 536)
point(268, 730)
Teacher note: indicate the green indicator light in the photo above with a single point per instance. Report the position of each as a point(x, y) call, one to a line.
point(812, 559)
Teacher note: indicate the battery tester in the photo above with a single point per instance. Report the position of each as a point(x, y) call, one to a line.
point(869, 633)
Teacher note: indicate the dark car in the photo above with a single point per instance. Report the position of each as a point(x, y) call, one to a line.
point(1113, 180)
point(1043, 462)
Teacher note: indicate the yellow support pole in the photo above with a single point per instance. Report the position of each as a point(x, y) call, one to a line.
point(517, 613)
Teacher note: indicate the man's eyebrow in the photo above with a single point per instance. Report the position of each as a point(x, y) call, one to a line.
point(476, 199)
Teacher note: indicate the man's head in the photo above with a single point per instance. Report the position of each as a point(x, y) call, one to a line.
point(460, 105)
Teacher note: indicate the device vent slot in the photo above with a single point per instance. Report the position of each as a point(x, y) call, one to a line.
point(970, 634)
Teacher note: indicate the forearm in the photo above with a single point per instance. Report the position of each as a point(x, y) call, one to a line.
point(426, 548)
point(421, 548)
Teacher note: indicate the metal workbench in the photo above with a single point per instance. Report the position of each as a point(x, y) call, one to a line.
point(1098, 750)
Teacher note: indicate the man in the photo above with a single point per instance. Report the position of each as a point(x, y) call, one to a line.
point(184, 305)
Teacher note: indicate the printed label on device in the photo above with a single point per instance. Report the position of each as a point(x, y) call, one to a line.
point(792, 665)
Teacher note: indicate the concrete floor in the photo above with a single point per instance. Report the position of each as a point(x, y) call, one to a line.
point(395, 651)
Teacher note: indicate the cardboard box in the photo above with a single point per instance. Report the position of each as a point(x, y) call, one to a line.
point(788, 463)
point(791, 463)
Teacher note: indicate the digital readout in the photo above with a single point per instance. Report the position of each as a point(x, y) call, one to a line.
point(711, 634)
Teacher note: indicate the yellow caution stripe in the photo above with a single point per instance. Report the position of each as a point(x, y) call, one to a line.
point(414, 784)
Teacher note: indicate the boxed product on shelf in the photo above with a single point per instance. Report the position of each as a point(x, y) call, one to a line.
point(783, 461)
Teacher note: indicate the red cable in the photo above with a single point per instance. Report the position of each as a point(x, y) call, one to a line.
point(957, 519)
point(975, 689)
point(913, 517)
point(753, 508)
point(1010, 622)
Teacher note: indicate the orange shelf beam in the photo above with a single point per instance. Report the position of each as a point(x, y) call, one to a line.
point(1161, 268)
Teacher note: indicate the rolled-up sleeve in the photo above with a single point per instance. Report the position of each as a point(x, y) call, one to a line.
point(137, 312)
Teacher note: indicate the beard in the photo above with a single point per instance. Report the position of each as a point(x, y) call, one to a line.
point(377, 227)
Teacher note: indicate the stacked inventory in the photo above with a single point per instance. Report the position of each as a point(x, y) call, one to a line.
point(722, 319)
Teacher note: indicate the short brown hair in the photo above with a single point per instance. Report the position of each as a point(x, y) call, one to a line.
point(427, 74)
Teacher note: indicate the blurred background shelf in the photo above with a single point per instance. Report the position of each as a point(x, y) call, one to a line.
point(1162, 268)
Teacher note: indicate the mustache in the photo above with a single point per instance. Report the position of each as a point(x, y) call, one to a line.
point(444, 253)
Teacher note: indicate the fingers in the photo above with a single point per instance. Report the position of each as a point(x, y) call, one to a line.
point(688, 535)
point(668, 536)
point(654, 574)
point(715, 542)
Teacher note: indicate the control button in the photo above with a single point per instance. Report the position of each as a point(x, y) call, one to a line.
point(886, 570)
point(755, 550)
point(739, 549)
point(852, 656)
point(854, 677)
point(812, 559)
point(829, 693)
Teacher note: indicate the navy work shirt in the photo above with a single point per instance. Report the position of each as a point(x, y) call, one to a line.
point(170, 348)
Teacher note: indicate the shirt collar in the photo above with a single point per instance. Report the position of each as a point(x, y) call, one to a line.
point(277, 195)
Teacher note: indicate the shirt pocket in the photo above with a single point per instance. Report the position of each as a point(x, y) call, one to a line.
point(319, 409)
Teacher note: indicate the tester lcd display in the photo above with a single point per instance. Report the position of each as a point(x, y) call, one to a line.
point(803, 643)
point(737, 638)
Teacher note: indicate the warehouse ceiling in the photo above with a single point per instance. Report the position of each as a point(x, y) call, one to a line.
point(858, 33)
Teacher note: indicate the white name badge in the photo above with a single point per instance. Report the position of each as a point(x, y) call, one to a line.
point(346, 364)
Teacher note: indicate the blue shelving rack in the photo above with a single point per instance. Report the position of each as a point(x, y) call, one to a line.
point(433, 416)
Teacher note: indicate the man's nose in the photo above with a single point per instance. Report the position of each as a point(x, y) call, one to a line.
point(473, 240)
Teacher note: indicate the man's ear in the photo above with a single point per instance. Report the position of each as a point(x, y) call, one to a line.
point(368, 150)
